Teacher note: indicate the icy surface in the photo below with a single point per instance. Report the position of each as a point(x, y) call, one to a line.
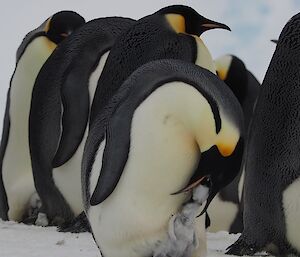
point(18, 240)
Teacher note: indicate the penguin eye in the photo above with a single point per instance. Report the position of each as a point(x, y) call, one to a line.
point(206, 181)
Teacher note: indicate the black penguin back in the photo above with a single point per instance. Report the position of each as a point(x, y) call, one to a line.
point(151, 38)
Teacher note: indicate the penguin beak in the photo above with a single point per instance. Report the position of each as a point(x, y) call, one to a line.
point(191, 185)
point(274, 41)
point(207, 24)
point(214, 25)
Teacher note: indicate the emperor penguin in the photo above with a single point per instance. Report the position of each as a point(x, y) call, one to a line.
point(60, 105)
point(272, 175)
point(172, 32)
point(226, 210)
point(170, 127)
point(16, 180)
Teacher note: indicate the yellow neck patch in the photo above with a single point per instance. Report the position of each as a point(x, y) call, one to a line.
point(177, 22)
point(47, 26)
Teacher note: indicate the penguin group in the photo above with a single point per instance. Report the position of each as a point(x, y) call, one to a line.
point(129, 129)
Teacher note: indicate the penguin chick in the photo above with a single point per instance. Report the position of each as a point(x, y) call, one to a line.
point(182, 236)
point(16, 181)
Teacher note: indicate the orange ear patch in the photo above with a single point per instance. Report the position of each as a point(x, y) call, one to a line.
point(177, 22)
point(225, 150)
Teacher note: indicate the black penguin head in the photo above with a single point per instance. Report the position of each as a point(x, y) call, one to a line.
point(62, 24)
point(55, 28)
point(233, 72)
point(216, 169)
point(184, 19)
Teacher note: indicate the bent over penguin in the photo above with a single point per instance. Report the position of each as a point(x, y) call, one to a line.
point(171, 127)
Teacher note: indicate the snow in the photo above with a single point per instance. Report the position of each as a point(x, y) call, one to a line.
point(19, 240)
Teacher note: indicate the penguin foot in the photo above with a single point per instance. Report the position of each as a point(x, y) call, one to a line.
point(240, 248)
point(79, 224)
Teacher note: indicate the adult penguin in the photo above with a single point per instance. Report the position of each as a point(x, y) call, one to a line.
point(60, 106)
point(172, 32)
point(171, 127)
point(16, 181)
point(271, 191)
point(226, 210)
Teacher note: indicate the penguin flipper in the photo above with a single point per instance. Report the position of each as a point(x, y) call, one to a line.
point(5, 133)
point(44, 135)
point(75, 101)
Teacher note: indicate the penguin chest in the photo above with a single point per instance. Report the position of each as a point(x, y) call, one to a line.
point(291, 206)
point(163, 154)
point(16, 170)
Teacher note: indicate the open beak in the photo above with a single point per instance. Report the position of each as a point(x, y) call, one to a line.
point(190, 186)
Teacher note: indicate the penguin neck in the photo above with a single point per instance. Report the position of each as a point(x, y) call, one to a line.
point(35, 54)
point(204, 58)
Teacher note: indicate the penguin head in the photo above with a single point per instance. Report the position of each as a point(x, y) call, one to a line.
point(233, 72)
point(184, 19)
point(56, 28)
point(220, 164)
point(289, 36)
point(62, 24)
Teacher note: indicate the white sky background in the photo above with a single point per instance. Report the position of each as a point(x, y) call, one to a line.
point(253, 24)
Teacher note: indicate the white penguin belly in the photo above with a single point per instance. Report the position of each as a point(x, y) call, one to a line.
point(162, 158)
point(16, 169)
point(291, 205)
point(68, 176)
point(221, 214)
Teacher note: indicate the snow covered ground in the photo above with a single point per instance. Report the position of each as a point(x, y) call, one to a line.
point(18, 240)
